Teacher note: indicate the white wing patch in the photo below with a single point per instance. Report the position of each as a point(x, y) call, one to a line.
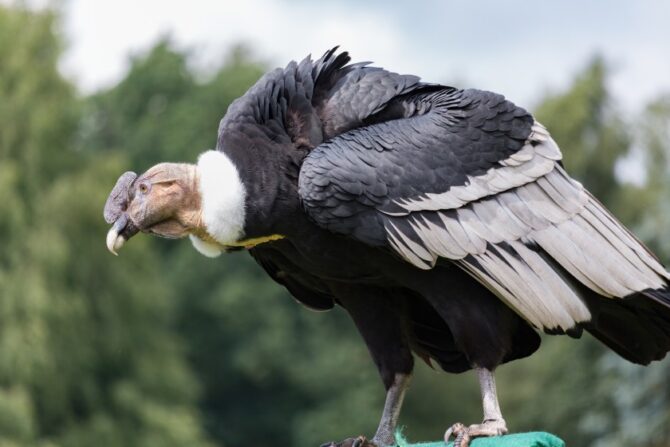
point(494, 233)
point(601, 253)
point(504, 217)
point(535, 159)
point(526, 282)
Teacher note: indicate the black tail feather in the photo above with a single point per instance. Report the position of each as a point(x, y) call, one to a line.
point(636, 327)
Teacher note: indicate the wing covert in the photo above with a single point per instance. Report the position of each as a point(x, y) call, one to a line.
point(444, 141)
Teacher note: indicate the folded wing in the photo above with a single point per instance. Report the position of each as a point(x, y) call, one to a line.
point(430, 186)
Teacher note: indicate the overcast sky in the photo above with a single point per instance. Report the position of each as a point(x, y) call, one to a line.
point(518, 48)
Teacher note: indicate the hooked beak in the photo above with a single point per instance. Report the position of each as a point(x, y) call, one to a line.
point(115, 212)
point(122, 230)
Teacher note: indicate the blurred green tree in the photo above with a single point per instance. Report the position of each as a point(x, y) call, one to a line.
point(588, 129)
point(87, 354)
point(641, 396)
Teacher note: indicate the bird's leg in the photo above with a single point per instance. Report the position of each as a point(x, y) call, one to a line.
point(492, 413)
point(493, 424)
point(385, 435)
point(379, 319)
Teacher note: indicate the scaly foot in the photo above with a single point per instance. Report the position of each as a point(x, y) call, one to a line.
point(360, 441)
point(464, 435)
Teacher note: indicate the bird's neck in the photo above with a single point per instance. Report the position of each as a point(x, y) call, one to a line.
point(242, 199)
point(268, 167)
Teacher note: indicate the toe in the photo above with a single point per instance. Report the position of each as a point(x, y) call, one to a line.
point(463, 439)
point(488, 428)
point(360, 441)
point(463, 435)
point(455, 430)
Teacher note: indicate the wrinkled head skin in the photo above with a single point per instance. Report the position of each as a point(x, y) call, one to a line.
point(164, 201)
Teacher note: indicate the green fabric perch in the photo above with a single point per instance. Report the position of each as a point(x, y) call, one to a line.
point(533, 439)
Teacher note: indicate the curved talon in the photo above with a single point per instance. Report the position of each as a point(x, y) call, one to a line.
point(456, 430)
point(360, 441)
point(462, 440)
point(463, 435)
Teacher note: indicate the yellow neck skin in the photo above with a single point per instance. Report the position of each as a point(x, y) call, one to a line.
point(201, 233)
point(251, 243)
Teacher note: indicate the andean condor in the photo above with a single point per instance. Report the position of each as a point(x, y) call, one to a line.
point(441, 219)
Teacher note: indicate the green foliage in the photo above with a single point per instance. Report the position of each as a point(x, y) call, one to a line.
point(641, 406)
point(158, 112)
point(87, 353)
point(163, 347)
point(588, 130)
point(654, 136)
point(38, 112)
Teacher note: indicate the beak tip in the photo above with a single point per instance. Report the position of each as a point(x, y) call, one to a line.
point(114, 241)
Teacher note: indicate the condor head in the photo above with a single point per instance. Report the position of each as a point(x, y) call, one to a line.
point(175, 200)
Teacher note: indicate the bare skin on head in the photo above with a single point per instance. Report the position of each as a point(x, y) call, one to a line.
point(164, 201)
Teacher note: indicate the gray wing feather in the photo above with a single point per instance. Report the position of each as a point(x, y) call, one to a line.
point(535, 159)
point(556, 214)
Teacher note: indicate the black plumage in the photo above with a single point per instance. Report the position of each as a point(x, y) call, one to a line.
point(360, 140)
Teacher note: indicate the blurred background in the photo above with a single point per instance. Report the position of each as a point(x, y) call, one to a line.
point(162, 347)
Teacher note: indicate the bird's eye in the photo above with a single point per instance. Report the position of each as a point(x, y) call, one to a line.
point(144, 188)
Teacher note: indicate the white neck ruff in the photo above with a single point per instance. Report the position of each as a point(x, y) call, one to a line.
point(222, 196)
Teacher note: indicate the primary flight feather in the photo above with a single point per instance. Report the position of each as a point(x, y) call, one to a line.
point(441, 219)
